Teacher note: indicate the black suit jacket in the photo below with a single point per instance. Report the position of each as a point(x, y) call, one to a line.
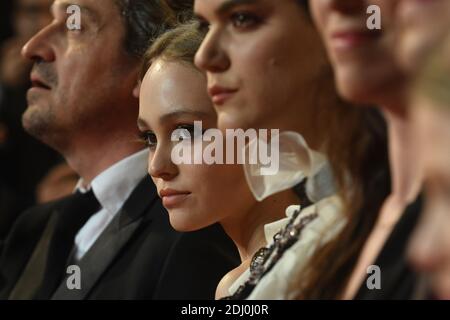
point(398, 280)
point(138, 256)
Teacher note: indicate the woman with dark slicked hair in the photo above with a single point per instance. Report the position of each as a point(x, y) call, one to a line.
point(267, 68)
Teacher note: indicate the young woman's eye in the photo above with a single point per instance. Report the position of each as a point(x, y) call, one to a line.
point(245, 20)
point(186, 132)
point(183, 132)
point(149, 139)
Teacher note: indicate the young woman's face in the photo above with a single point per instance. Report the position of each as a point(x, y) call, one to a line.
point(262, 59)
point(172, 96)
point(430, 244)
point(421, 25)
point(363, 59)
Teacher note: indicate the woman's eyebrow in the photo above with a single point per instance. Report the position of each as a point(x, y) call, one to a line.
point(230, 4)
point(183, 114)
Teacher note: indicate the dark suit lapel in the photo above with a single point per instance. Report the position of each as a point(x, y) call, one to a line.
point(32, 277)
point(111, 241)
point(43, 270)
point(70, 218)
point(19, 247)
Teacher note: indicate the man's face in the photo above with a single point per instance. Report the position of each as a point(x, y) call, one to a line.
point(81, 79)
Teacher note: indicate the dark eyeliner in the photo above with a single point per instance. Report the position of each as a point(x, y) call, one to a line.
point(145, 137)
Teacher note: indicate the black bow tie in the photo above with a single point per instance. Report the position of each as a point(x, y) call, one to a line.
point(85, 202)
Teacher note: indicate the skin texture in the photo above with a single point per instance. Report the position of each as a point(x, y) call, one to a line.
point(421, 27)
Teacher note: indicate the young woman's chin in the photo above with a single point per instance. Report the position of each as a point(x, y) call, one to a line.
point(352, 87)
point(182, 220)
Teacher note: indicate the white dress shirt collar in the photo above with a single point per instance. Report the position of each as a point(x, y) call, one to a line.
point(113, 186)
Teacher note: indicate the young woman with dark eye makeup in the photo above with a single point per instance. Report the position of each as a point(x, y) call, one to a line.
point(266, 68)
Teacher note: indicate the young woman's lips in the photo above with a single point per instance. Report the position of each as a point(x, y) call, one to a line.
point(220, 95)
point(345, 40)
point(173, 198)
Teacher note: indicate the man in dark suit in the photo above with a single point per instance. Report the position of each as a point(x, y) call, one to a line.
point(111, 239)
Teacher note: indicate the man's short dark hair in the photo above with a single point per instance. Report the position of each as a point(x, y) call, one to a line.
point(145, 20)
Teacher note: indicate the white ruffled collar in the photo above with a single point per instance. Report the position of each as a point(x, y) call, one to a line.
point(297, 162)
point(325, 227)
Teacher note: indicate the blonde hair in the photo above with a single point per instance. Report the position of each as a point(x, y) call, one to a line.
point(179, 44)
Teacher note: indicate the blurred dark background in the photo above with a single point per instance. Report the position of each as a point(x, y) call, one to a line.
point(30, 172)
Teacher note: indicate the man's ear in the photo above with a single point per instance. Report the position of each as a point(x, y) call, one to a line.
point(137, 89)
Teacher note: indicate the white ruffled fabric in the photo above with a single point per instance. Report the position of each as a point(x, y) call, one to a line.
point(276, 285)
point(297, 162)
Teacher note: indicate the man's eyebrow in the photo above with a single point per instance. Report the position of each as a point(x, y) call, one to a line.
point(89, 12)
point(174, 115)
point(230, 4)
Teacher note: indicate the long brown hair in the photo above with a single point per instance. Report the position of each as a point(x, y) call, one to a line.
point(358, 155)
point(356, 146)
